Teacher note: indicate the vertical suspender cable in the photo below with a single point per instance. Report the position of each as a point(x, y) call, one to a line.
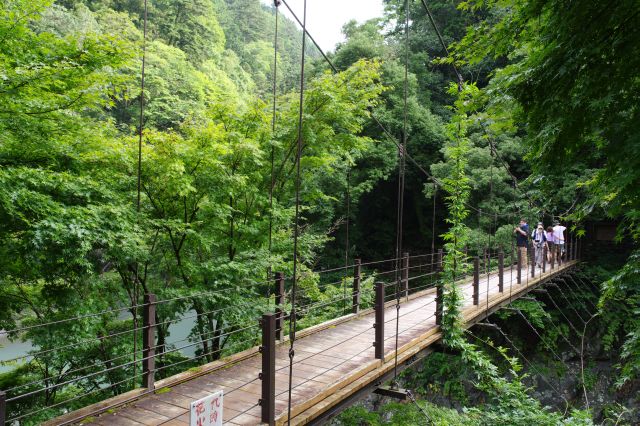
point(433, 222)
point(276, 3)
point(139, 183)
point(292, 316)
point(346, 245)
point(401, 177)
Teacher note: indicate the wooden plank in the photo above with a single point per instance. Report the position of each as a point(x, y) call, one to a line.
point(143, 416)
point(118, 420)
point(161, 407)
point(95, 409)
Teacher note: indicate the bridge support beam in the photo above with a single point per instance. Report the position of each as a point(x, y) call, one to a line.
point(379, 324)
point(440, 257)
point(501, 271)
point(149, 341)
point(544, 259)
point(355, 308)
point(279, 302)
point(476, 280)
point(268, 375)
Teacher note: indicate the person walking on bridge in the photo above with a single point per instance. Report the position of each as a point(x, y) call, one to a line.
point(522, 241)
point(550, 244)
point(558, 237)
point(539, 242)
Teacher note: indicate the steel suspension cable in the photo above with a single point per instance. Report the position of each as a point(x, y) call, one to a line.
point(346, 244)
point(276, 3)
point(296, 230)
point(136, 279)
point(401, 183)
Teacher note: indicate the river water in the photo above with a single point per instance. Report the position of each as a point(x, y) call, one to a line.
point(178, 332)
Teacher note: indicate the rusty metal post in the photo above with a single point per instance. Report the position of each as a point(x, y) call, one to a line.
point(519, 268)
point(439, 303)
point(553, 256)
point(268, 374)
point(476, 280)
point(544, 259)
point(501, 271)
point(533, 260)
point(379, 324)
point(3, 407)
point(149, 341)
point(405, 274)
point(440, 257)
point(355, 307)
point(279, 294)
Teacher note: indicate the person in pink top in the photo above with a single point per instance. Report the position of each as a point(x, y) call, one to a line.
point(551, 244)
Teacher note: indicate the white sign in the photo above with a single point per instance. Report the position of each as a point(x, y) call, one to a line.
point(207, 411)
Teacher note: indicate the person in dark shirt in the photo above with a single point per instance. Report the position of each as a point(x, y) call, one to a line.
point(522, 241)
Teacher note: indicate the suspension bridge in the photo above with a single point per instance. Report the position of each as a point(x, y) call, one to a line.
point(336, 362)
point(390, 318)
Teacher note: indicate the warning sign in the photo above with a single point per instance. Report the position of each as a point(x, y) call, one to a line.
point(207, 411)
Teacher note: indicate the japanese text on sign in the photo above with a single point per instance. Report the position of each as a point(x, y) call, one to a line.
point(207, 411)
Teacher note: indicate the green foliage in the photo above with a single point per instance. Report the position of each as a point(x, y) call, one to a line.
point(456, 185)
point(440, 373)
point(619, 304)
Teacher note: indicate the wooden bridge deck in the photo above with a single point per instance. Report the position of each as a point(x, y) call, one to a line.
point(331, 364)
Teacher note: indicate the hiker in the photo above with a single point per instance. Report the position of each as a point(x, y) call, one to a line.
point(522, 241)
point(550, 245)
point(558, 238)
point(539, 243)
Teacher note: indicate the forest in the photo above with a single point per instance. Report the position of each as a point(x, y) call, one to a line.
point(176, 148)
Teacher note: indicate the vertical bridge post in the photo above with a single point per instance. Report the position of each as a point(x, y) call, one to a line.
point(501, 271)
point(476, 280)
point(405, 274)
point(3, 407)
point(439, 290)
point(379, 324)
point(149, 341)
point(533, 260)
point(279, 294)
point(268, 373)
point(544, 259)
point(519, 267)
point(356, 286)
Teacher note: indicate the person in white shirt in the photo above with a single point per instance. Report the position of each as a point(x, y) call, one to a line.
point(539, 243)
point(558, 237)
